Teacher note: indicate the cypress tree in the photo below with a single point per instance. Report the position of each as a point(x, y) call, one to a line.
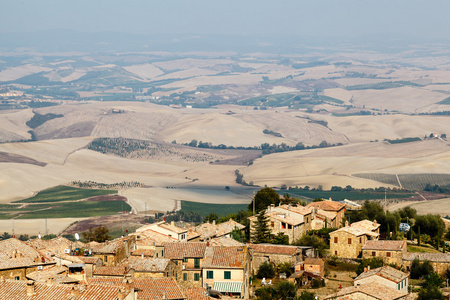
point(261, 232)
point(418, 236)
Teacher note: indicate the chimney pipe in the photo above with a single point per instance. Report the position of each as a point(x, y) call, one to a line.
point(172, 223)
point(30, 288)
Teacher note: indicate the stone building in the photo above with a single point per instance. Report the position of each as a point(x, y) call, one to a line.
point(348, 241)
point(150, 267)
point(275, 254)
point(386, 276)
point(113, 252)
point(207, 231)
point(188, 259)
point(170, 230)
point(226, 269)
point(293, 221)
point(439, 261)
point(330, 206)
point(391, 252)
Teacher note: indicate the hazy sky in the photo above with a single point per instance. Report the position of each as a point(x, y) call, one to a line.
point(311, 17)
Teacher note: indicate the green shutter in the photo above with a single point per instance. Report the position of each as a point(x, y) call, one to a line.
point(196, 263)
point(185, 276)
point(196, 276)
point(227, 274)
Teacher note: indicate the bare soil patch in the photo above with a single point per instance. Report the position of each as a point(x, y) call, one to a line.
point(20, 159)
point(109, 221)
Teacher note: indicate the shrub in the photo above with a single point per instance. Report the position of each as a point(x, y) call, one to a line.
point(265, 270)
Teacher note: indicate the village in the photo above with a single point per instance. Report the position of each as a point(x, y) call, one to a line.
point(172, 260)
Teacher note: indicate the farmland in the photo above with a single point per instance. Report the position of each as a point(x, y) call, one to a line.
point(65, 193)
point(206, 208)
point(412, 182)
point(341, 195)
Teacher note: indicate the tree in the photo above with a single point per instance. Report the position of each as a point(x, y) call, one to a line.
point(433, 293)
point(193, 143)
point(238, 235)
point(419, 269)
point(266, 293)
point(211, 217)
point(24, 237)
point(418, 235)
point(261, 231)
point(281, 239)
point(285, 290)
point(99, 234)
point(264, 198)
point(374, 263)
point(305, 295)
point(314, 241)
point(433, 279)
point(285, 267)
point(265, 270)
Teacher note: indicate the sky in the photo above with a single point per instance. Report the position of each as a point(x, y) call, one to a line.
point(343, 18)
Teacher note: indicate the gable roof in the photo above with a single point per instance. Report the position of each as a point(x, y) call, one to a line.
point(432, 257)
point(375, 290)
point(210, 230)
point(111, 271)
point(275, 249)
point(225, 257)
point(386, 272)
point(17, 289)
point(327, 205)
point(17, 254)
point(109, 246)
point(196, 293)
point(385, 245)
point(146, 264)
point(182, 250)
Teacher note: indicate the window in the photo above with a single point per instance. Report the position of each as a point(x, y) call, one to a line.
point(196, 263)
point(184, 276)
point(335, 252)
point(272, 224)
point(289, 226)
point(105, 258)
point(185, 259)
point(17, 278)
point(176, 262)
point(307, 220)
point(196, 276)
point(227, 274)
point(349, 241)
point(373, 253)
point(360, 240)
point(388, 254)
point(283, 225)
point(209, 274)
point(162, 252)
point(335, 239)
point(399, 286)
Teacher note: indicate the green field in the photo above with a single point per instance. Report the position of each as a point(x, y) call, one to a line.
point(205, 209)
point(380, 177)
point(65, 193)
point(446, 101)
point(81, 209)
point(339, 196)
point(408, 181)
point(404, 140)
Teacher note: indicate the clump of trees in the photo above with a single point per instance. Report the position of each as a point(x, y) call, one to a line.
point(99, 234)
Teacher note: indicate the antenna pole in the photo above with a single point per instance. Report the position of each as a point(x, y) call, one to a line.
point(385, 202)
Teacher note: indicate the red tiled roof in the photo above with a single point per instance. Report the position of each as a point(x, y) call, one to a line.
point(17, 289)
point(327, 205)
point(17, 254)
point(384, 245)
point(182, 250)
point(196, 294)
point(155, 288)
point(275, 249)
point(147, 264)
point(375, 290)
point(386, 272)
point(146, 252)
point(111, 271)
point(225, 257)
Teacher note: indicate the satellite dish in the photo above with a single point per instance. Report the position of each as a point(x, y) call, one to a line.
point(77, 236)
point(39, 236)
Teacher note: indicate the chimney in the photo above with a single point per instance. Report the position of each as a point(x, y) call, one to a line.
point(375, 223)
point(142, 255)
point(121, 294)
point(82, 288)
point(214, 222)
point(30, 288)
point(365, 269)
point(49, 281)
point(172, 223)
point(75, 292)
point(368, 268)
point(346, 223)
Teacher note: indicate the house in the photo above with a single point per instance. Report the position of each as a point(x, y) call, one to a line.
point(226, 270)
point(20, 289)
point(369, 291)
point(274, 254)
point(151, 241)
point(293, 221)
point(351, 205)
point(386, 276)
point(113, 252)
point(439, 261)
point(150, 267)
point(308, 270)
point(52, 275)
point(323, 219)
point(56, 246)
point(391, 252)
point(330, 206)
point(348, 241)
point(189, 259)
point(170, 230)
point(314, 266)
point(17, 259)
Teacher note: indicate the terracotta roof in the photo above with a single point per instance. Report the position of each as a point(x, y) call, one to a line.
point(109, 247)
point(145, 252)
point(111, 271)
point(275, 249)
point(182, 250)
point(355, 231)
point(385, 272)
point(327, 205)
point(375, 290)
point(155, 288)
point(153, 238)
point(211, 230)
point(225, 257)
point(196, 294)
point(432, 257)
point(302, 210)
point(89, 259)
point(384, 245)
point(17, 289)
point(366, 225)
point(17, 254)
point(46, 272)
point(147, 264)
point(147, 288)
point(313, 261)
point(224, 241)
point(101, 292)
point(55, 246)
